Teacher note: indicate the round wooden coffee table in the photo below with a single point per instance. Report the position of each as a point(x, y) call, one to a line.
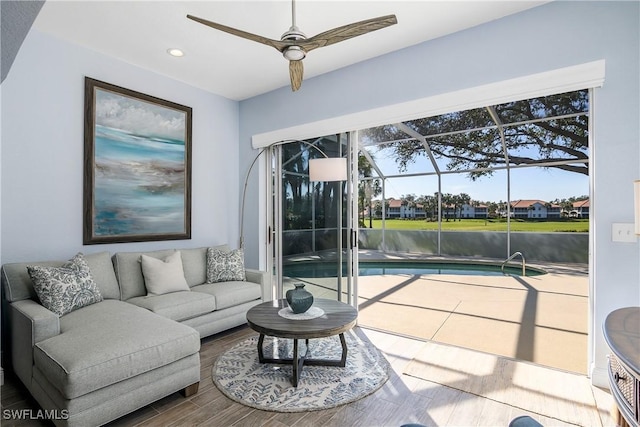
point(338, 318)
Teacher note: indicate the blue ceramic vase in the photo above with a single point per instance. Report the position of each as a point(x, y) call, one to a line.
point(299, 299)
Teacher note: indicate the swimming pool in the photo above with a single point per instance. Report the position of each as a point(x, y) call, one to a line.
point(317, 269)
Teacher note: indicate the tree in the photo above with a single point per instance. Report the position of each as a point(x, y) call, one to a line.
point(409, 202)
point(492, 209)
point(447, 204)
point(367, 189)
point(297, 201)
point(566, 205)
point(429, 204)
point(470, 139)
point(460, 200)
point(376, 206)
point(302, 195)
point(502, 209)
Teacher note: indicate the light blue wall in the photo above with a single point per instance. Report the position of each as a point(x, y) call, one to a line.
point(552, 36)
point(42, 151)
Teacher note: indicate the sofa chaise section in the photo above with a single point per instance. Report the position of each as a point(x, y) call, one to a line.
point(87, 367)
point(101, 361)
point(115, 341)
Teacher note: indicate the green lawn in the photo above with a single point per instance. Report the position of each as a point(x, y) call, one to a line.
point(566, 225)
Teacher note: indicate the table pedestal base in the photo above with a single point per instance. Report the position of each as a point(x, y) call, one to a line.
point(299, 361)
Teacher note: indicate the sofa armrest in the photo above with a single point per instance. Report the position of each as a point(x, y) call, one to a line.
point(30, 323)
point(263, 279)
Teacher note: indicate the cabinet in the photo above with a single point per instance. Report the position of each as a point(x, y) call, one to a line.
point(622, 333)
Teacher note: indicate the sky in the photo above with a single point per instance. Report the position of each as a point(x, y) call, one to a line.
point(530, 183)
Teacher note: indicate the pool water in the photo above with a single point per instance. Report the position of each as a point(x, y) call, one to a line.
point(368, 268)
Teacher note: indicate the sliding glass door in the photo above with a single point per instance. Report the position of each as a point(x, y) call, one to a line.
point(312, 221)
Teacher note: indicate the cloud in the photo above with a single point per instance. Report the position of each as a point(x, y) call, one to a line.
point(139, 117)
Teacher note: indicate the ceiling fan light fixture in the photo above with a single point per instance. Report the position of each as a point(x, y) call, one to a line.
point(294, 53)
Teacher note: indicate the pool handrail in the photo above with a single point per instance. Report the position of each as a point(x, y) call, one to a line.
point(515, 254)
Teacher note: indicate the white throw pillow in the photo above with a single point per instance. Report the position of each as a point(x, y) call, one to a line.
point(163, 276)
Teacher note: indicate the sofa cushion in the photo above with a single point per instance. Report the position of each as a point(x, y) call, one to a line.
point(102, 270)
point(177, 306)
point(229, 294)
point(67, 288)
point(225, 266)
point(18, 285)
point(162, 276)
point(108, 342)
point(129, 271)
point(195, 264)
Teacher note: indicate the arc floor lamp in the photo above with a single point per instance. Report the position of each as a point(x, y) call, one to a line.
point(324, 169)
point(636, 193)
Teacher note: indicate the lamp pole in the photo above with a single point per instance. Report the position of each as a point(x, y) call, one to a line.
point(325, 169)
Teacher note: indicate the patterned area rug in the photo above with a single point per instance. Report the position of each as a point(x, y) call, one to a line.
point(239, 375)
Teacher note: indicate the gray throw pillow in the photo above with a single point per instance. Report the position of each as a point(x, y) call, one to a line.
point(67, 288)
point(225, 266)
point(163, 276)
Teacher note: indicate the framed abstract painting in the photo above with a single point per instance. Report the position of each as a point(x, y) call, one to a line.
point(137, 166)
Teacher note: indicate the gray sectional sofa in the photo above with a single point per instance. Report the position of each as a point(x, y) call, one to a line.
point(104, 360)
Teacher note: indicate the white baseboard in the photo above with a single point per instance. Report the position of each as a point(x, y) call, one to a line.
point(600, 377)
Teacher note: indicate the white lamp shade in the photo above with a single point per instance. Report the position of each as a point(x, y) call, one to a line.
point(328, 169)
point(636, 204)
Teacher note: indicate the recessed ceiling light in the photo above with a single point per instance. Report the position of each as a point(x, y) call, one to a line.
point(175, 52)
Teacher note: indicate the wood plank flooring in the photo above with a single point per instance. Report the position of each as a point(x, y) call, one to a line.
point(403, 399)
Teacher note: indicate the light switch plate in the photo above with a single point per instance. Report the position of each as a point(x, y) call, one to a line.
point(621, 232)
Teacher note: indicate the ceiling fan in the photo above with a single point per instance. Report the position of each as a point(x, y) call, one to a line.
point(294, 44)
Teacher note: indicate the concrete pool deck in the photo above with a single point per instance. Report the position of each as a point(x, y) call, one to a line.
point(540, 319)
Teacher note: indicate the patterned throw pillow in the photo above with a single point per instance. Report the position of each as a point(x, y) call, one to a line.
point(225, 266)
point(67, 288)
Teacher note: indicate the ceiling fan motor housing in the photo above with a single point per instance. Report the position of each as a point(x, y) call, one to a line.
point(293, 53)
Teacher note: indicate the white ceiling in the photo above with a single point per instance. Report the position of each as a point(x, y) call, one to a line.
point(140, 32)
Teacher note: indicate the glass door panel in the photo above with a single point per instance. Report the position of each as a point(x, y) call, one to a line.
point(313, 244)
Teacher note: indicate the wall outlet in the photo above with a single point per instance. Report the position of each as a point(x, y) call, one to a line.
point(623, 233)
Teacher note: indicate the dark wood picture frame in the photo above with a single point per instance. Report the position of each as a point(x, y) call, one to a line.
point(137, 166)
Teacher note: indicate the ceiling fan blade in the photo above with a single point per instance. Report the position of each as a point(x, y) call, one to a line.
point(254, 37)
point(296, 71)
point(347, 31)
